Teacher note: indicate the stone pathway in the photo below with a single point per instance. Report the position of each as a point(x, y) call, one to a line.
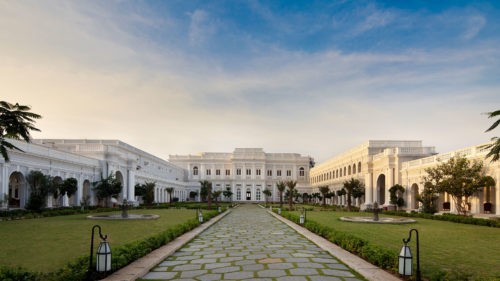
point(250, 244)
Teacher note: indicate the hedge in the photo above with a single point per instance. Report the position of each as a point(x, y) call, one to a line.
point(121, 256)
point(446, 217)
point(66, 211)
point(377, 255)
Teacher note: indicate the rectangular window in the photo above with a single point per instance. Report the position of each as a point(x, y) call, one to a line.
point(238, 194)
point(228, 172)
point(217, 172)
point(249, 172)
point(238, 172)
point(288, 173)
point(209, 172)
point(278, 173)
point(257, 172)
point(269, 173)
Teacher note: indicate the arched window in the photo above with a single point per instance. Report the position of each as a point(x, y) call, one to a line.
point(359, 167)
point(354, 168)
point(337, 173)
point(345, 170)
point(195, 171)
point(349, 170)
point(340, 174)
point(301, 171)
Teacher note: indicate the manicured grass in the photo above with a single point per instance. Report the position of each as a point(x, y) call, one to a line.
point(444, 245)
point(47, 244)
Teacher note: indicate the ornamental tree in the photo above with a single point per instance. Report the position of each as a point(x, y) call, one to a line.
point(228, 193)
point(107, 188)
point(16, 122)
point(267, 193)
point(324, 190)
point(281, 188)
point(395, 192)
point(353, 186)
point(494, 147)
point(291, 187)
point(460, 178)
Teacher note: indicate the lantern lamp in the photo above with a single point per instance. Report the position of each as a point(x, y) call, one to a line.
point(405, 261)
point(301, 220)
point(200, 217)
point(405, 258)
point(103, 258)
point(219, 209)
point(279, 211)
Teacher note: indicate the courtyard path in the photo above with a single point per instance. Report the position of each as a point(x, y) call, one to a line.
point(250, 244)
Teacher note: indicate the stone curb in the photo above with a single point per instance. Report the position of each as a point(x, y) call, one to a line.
point(142, 266)
point(366, 269)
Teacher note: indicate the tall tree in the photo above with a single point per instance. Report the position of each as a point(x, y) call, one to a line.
point(281, 188)
point(16, 122)
point(216, 194)
point(149, 193)
point(107, 188)
point(324, 190)
point(267, 193)
point(169, 191)
point(228, 193)
point(395, 192)
point(206, 185)
point(69, 187)
point(39, 187)
point(350, 186)
point(458, 177)
point(428, 198)
point(291, 186)
point(495, 146)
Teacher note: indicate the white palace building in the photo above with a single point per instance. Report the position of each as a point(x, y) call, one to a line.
point(246, 171)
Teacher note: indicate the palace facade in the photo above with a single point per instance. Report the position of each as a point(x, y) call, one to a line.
point(247, 172)
point(380, 164)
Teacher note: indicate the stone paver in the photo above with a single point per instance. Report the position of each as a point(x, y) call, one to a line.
point(250, 244)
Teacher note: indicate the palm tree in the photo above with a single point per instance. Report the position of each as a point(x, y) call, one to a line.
point(216, 194)
point(16, 122)
point(281, 188)
point(495, 146)
point(291, 186)
point(350, 186)
point(208, 186)
point(267, 193)
point(324, 190)
point(169, 191)
point(228, 193)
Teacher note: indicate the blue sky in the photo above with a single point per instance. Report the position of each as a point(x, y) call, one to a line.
point(314, 77)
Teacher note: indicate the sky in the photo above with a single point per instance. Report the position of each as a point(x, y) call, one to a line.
point(309, 77)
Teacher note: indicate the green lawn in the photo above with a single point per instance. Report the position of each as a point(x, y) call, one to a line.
point(443, 245)
point(47, 244)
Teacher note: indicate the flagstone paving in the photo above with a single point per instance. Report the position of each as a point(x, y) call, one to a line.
point(250, 244)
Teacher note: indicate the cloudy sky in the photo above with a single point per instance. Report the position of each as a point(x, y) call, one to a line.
point(312, 77)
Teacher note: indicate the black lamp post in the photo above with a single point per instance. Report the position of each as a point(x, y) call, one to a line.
point(406, 258)
point(103, 258)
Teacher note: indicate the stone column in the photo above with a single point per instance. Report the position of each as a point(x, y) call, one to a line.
point(131, 185)
point(79, 191)
point(368, 191)
point(4, 187)
point(389, 182)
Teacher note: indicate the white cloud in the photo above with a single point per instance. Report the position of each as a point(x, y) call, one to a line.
point(92, 78)
point(474, 25)
point(200, 28)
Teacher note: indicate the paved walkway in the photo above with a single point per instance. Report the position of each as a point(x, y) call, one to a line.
point(250, 244)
